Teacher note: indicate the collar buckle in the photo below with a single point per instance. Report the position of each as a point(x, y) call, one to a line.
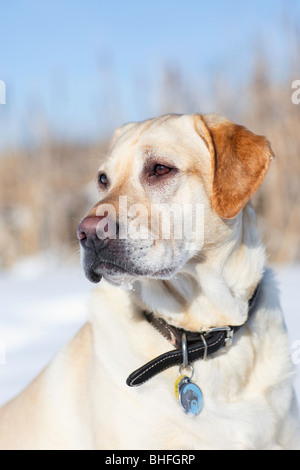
point(229, 334)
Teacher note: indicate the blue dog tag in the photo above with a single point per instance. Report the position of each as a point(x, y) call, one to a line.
point(190, 397)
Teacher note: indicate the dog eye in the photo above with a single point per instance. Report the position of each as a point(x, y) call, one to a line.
point(102, 179)
point(160, 170)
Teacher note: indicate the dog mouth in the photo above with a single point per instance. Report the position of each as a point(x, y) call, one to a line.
point(120, 262)
point(121, 275)
point(104, 269)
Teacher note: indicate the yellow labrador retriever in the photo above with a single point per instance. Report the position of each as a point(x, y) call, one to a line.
point(186, 346)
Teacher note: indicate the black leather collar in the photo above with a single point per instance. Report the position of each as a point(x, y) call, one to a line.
point(199, 345)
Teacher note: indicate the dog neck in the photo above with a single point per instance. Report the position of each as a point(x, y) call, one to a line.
point(213, 290)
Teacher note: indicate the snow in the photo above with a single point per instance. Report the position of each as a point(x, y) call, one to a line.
point(43, 305)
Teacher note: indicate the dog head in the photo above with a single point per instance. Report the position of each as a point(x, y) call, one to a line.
point(159, 176)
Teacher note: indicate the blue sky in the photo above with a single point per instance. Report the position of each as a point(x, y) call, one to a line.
point(80, 67)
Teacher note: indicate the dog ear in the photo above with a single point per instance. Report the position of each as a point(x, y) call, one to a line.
point(120, 131)
point(240, 161)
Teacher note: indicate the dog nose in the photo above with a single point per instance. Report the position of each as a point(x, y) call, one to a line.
point(90, 229)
